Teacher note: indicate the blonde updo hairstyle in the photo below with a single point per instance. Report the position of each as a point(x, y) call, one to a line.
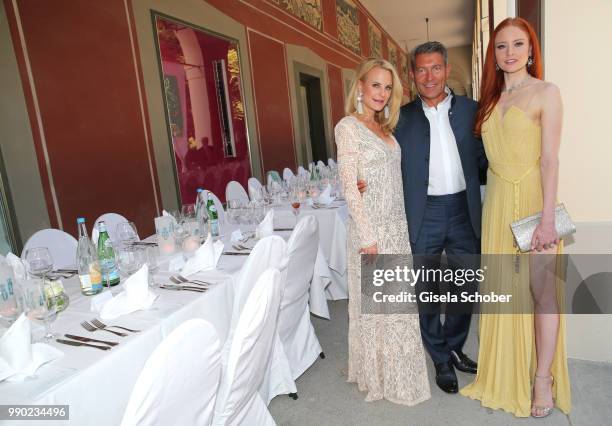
point(350, 107)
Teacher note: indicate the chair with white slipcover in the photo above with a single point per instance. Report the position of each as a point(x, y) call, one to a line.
point(179, 381)
point(287, 173)
point(294, 327)
point(235, 191)
point(269, 252)
point(250, 355)
point(61, 245)
point(254, 189)
point(111, 220)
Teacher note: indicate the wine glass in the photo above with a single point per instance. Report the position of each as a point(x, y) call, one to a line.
point(188, 211)
point(39, 261)
point(130, 259)
point(40, 304)
point(295, 200)
point(127, 233)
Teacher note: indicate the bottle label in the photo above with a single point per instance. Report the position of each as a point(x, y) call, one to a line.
point(214, 227)
point(110, 268)
point(85, 282)
point(95, 277)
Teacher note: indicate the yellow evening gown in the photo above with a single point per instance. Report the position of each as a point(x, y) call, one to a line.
point(507, 354)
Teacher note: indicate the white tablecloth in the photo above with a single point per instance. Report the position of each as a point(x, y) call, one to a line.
point(97, 384)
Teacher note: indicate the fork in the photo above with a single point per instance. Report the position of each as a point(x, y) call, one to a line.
point(96, 322)
point(179, 279)
point(87, 326)
point(240, 247)
point(176, 287)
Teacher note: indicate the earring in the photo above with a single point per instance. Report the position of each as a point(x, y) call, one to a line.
point(359, 104)
point(386, 112)
point(496, 67)
point(529, 62)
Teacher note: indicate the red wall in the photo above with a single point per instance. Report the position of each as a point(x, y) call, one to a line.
point(86, 88)
point(275, 128)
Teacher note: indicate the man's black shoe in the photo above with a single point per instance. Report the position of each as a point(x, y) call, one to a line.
point(446, 378)
point(463, 363)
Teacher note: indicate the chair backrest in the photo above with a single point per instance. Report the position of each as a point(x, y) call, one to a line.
point(273, 176)
point(269, 252)
point(254, 189)
point(219, 207)
point(250, 351)
point(61, 245)
point(111, 220)
point(331, 162)
point(302, 171)
point(235, 191)
point(287, 173)
point(178, 384)
point(302, 250)
point(320, 164)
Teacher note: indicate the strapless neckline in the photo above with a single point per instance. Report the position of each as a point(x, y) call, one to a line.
point(523, 113)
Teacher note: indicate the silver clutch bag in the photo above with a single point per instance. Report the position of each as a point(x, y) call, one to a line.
point(524, 228)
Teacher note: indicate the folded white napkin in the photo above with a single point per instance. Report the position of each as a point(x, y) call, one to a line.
point(266, 227)
point(325, 198)
point(19, 358)
point(17, 265)
point(205, 258)
point(136, 296)
point(236, 236)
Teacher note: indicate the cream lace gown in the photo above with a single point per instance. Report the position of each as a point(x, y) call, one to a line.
point(386, 355)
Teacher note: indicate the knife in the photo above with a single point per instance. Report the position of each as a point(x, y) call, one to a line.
point(177, 287)
point(74, 343)
point(87, 339)
point(232, 253)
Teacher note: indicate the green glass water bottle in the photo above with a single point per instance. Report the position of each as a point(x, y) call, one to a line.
point(106, 257)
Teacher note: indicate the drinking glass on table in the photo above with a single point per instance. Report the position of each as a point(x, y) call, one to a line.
point(152, 260)
point(127, 233)
point(296, 201)
point(130, 259)
point(40, 305)
point(38, 261)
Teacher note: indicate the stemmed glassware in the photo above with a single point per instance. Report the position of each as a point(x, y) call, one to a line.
point(295, 200)
point(40, 304)
point(38, 261)
point(127, 233)
point(130, 259)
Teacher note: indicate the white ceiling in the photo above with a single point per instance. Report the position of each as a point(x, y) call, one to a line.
point(451, 22)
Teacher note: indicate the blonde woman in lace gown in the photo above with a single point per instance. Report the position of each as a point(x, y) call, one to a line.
point(522, 360)
point(386, 355)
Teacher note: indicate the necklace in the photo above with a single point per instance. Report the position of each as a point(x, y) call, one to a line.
point(516, 86)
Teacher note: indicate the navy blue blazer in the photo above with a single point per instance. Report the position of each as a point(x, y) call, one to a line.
point(412, 134)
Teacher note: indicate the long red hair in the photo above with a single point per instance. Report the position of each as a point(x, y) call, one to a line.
point(493, 80)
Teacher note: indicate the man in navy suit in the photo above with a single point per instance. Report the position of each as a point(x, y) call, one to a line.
point(443, 165)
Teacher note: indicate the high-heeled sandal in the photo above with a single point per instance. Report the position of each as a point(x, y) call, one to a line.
point(544, 410)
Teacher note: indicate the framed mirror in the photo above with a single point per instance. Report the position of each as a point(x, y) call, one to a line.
point(202, 90)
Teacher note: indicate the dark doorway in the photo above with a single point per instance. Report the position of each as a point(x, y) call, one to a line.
point(316, 130)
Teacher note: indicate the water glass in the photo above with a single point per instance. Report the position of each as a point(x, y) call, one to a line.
point(40, 305)
point(127, 233)
point(152, 260)
point(130, 259)
point(38, 261)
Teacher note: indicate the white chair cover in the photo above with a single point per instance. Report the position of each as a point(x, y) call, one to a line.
point(111, 220)
point(61, 245)
point(270, 252)
point(331, 162)
point(235, 191)
point(219, 206)
point(254, 189)
point(320, 164)
point(178, 384)
point(250, 355)
point(302, 171)
point(287, 173)
point(294, 327)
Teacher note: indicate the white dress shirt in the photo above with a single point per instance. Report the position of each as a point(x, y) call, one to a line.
point(445, 170)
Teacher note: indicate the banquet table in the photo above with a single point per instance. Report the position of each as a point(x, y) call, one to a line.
point(97, 384)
